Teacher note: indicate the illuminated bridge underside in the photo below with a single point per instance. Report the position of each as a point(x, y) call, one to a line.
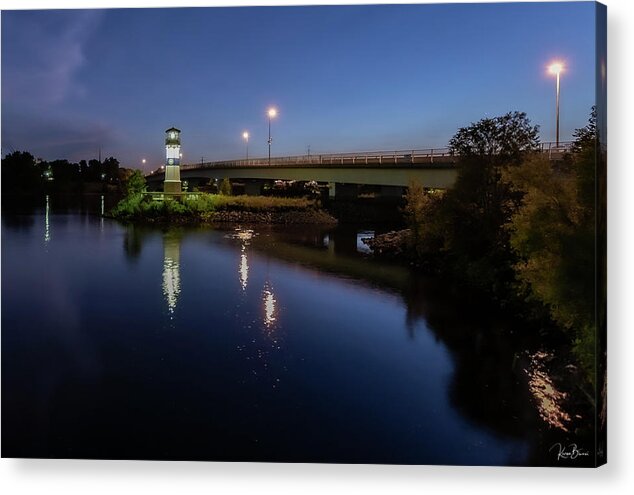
point(437, 177)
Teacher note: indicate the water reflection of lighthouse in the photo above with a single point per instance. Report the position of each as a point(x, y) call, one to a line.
point(171, 269)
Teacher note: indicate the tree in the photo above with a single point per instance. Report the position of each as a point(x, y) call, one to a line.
point(94, 170)
point(554, 234)
point(135, 183)
point(586, 138)
point(64, 172)
point(467, 223)
point(499, 140)
point(422, 215)
point(83, 168)
point(110, 167)
point(20, 172)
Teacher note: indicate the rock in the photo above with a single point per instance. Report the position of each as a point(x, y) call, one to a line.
point(393, 243)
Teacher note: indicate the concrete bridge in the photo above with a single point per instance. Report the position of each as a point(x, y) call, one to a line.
point(343, 172)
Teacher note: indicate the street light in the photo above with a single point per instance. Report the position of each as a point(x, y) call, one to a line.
point(143, 161)
point(245, 135)
point(556, 68)
point(272, 113)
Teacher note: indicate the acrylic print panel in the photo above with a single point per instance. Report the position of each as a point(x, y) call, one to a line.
point(382, 239)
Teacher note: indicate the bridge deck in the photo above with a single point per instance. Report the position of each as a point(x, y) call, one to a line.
point(434, 167)
point(424, 157)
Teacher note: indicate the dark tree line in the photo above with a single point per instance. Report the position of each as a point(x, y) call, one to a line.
point(22, 172)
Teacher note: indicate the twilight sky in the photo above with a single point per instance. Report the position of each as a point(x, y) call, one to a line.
point(344, 78)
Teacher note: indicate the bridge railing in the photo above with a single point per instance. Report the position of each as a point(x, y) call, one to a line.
point(556, 149)
point(355, 158)
point(396, 157)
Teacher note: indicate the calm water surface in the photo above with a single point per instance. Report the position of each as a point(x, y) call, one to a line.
point(243, 344)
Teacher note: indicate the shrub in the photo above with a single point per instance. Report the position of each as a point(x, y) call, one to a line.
point(225, 187)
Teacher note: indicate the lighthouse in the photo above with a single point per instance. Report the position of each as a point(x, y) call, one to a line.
point(172, 183)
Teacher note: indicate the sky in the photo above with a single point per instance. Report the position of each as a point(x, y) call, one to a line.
point(343, 78)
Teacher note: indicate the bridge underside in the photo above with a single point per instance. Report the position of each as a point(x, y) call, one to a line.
point(441, 177)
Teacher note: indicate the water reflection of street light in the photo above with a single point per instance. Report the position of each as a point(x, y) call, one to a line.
point(245, 237)
point(244, 268)
point(47, 225)
point(556, 68)
point(272, 113)
point(245, 135)
point(269, 306)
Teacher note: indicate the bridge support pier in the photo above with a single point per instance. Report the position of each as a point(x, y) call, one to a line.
point(392, 191)
point(253, 188)
point(331, 190)
point(342, 191)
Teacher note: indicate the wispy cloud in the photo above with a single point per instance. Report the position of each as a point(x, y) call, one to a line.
point(42, 53)
point(56, 137)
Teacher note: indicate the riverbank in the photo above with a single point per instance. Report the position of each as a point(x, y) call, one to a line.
point(215, 208)
point(558, 387)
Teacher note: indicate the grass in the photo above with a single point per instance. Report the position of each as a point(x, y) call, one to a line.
point(140, 206)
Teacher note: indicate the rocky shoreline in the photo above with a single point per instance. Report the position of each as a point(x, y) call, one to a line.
point(392, 244)
point(289, 217)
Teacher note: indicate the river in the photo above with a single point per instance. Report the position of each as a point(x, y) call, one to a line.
point(244, 344)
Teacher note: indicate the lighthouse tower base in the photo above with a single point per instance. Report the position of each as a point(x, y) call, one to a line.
point(172, 187)
point(172, 183)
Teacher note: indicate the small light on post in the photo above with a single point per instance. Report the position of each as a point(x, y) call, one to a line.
point(272, 113)
point(245, 136)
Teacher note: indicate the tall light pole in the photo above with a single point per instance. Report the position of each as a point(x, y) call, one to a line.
point(272, 113)
point(556, 68)
point(245, 135)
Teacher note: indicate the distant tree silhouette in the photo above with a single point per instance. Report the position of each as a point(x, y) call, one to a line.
point(94, 170)
point(83, 169)
point(64, 172)
point(20, 173)
point(110, 167)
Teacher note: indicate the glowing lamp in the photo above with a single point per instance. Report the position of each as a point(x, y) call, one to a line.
point(556, 68)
